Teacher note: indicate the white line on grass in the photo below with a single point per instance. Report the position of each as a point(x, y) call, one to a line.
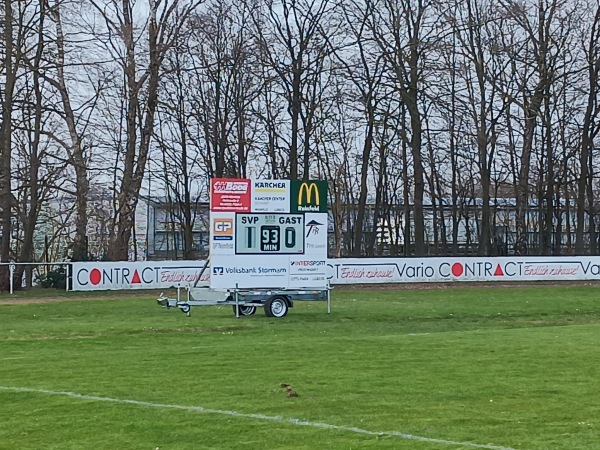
point(289, 420)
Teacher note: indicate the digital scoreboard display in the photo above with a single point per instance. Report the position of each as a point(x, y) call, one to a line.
point(278, 234)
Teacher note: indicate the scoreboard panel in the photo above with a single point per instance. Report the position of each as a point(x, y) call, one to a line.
point(269, 234)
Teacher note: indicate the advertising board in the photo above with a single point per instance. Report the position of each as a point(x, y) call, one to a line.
point(459, 269)
point(315, 234)
point(271, 196)
point(270, 219)
point(230, 194)
point(89, 276)
point(276, 269)
point(307, 272)
point(249, 271)
point(308, 196)
point(222, 233)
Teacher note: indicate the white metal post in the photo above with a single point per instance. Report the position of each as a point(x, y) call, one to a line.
point(237, 302)
point(11, 274)
point(68, 272)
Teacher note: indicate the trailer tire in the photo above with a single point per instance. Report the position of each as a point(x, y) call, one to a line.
point(276, 307)
point(185, 308)
point(245, 310)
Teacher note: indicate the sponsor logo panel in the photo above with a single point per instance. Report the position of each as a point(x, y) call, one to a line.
point(315, 234)
point(230, 194)
point(271, 196)
point(308, 272)
point(247, 271)
point(308, 196)
point(222, 233)
point(223, 229)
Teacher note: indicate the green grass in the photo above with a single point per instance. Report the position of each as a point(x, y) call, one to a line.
point(513, 367)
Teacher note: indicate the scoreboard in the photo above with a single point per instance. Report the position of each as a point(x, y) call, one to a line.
point(268, 234)
point(276, 234)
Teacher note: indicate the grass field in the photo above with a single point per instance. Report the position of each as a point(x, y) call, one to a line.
point(459, 368)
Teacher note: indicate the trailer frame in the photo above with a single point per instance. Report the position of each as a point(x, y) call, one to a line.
point(276, 302)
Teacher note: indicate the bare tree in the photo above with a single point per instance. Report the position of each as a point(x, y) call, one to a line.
point(475, 27)
point(77, 126)
point(365, 70)
point(589, 130)
point(226, 70)
point(296, 49)
point(11, 62)
point(164, 22)
point(544, 35)
point(401, 30)
point(29, 153)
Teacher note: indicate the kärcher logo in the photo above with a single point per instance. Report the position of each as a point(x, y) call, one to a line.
point(269, 185)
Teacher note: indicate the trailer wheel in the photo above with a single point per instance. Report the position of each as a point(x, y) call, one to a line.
point(245, 310)
point(276, 307)
point(185, 308)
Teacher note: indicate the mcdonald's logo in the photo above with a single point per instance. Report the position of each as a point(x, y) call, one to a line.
point(308, 189)
point(309, 196)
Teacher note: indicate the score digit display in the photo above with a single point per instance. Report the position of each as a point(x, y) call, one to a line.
point(278, 234)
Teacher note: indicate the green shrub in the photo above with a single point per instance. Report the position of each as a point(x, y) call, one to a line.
point(56, 278)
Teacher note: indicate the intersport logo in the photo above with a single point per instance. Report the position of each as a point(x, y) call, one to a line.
point(308, 263)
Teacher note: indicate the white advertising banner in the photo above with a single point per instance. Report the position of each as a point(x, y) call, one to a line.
point(280, 271)
point(457, 269)
point(271, 196)
point(89, 276)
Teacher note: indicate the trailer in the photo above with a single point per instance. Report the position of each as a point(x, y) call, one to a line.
point(244, 302)
point(268, 245)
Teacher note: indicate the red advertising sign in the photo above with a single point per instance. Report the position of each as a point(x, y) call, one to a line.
point(230, 194)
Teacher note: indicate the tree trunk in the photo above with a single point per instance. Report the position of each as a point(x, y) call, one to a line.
point(26, 253)
point(6, 146)
point(584, 181)
point(295, 106)
point(531, 112)
point(135, 160)
point(76, 152)
point(419, 185)
point(362, 198)
point(546, 238)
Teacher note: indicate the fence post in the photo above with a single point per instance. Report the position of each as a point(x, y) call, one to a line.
point(67, 272)
point(11, 274)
